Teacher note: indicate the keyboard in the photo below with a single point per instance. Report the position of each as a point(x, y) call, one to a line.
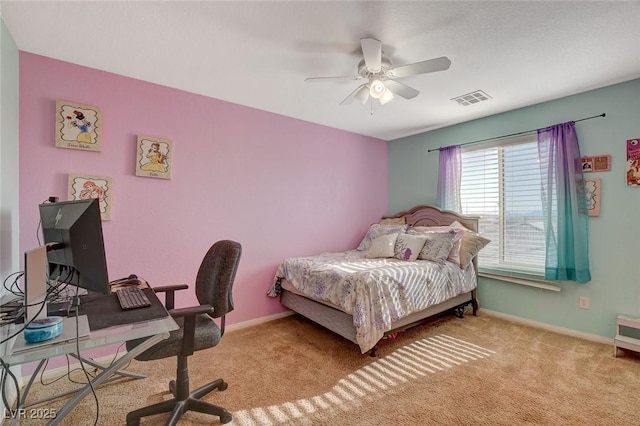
point(132, 298)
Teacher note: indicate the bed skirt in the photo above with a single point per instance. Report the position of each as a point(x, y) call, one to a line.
point(341, 323)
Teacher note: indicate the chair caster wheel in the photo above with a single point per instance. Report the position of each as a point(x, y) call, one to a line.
point(226, 418)
point(223, 386)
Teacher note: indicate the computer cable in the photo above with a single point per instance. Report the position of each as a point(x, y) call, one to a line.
point(67, 282)
point(67, 374)
point(86, 374)
point(17, 291)
point(115, 357)
point(42, 304)
point(61, 291)
point(95, 370)
point(26, 323)
point(6, 371)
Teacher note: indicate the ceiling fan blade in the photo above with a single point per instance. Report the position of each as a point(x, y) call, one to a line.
point(372, 52)
point(338, 78)
point(432, 65)
point(361, 93)
point(401, 89)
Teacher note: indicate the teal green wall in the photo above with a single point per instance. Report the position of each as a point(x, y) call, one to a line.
point(9, 260)
point(614, 235)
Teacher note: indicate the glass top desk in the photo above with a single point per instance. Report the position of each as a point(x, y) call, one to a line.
point(155, 328)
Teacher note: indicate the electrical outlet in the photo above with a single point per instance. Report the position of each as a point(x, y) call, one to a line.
point(584, 302)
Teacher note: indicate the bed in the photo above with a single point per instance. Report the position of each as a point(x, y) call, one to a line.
point(363, 300)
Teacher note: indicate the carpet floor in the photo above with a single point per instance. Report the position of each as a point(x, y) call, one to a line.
point(472, 371)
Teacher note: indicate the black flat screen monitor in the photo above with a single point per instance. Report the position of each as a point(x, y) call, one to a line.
point(73, 232)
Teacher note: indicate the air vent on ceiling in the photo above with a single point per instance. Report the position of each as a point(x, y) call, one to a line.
point(471, 98)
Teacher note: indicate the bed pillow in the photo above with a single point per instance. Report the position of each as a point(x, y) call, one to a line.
point(408, 246)
point(377, 230)
point(454, 254)
point(437, 246)
point(470, 245)
point(382, 247)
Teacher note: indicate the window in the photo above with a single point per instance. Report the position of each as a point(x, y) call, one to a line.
point(502, 184)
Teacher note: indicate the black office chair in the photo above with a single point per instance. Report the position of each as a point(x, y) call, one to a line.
point(197, 331)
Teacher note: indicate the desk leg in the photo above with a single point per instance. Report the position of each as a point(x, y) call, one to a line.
point(25, 391)
point(81, 393)
point(117, 376)
point(119, 373)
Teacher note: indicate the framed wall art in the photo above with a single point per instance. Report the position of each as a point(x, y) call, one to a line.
point(154, 157)
point(78, 126)
point(593, 188)
point(633, 162)
point(596, 163)
point(587, 164)
point(84, 187)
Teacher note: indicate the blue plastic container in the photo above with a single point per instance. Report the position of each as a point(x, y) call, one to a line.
point(43, 329)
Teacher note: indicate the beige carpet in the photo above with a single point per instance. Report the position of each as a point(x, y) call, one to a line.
point(472, 371)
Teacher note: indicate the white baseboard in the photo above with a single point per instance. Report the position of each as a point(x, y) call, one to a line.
point(261, 320)
point(560, 330)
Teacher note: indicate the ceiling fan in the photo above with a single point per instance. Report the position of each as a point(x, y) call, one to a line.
point(381, 75)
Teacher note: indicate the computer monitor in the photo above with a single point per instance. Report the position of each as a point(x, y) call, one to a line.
point(73, 232)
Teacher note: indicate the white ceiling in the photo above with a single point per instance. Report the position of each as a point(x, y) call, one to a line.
point(259, 53)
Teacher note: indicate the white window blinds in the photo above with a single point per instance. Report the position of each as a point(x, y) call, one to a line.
point(501, 183)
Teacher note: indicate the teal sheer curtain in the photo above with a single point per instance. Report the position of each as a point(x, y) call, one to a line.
point(564, 203)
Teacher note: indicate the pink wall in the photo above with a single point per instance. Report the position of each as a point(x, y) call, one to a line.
point(280, 186)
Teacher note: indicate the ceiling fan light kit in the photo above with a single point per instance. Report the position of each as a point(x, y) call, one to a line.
point(376, 89)
point(387, 96)
point(381, 75)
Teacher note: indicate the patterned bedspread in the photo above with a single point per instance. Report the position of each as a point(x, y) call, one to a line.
point(376, 292)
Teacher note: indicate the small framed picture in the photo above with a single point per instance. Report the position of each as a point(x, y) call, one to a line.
point(596, 163)
point(633, 162)
point(78, 126)
point(601, 163)
point(154, 157)
point(587, 164)
point(84, 187)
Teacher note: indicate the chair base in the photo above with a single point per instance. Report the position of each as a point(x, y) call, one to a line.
point(177, 407)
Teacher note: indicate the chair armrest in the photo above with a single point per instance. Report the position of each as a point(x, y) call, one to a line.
point(166, 288)
point(189, 324)
point(169, 298)
point(191, 311)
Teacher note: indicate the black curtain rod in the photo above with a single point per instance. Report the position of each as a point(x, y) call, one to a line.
point(514, 134)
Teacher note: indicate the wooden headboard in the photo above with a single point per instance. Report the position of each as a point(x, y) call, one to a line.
point(433, 216)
